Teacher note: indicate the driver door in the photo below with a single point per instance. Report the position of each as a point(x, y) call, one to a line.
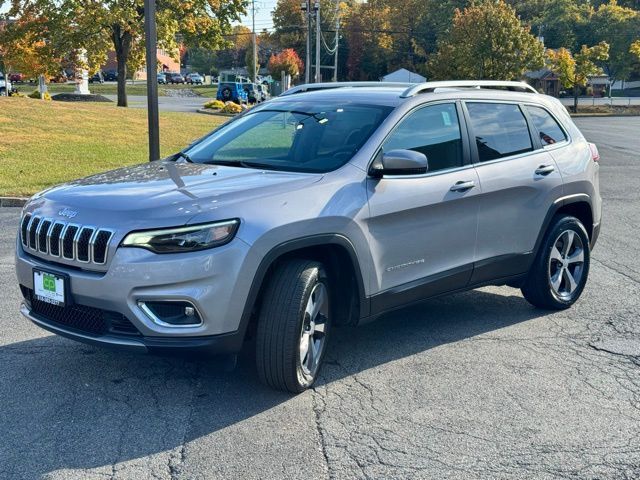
point(422, 228)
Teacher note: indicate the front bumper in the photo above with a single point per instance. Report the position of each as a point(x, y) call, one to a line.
point(211, 280)
point(214, 344)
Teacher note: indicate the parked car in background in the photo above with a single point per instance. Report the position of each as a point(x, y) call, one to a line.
point(5, 85)
point(232, 92)
point(96, 78)
point(253, 94)
point(162, 78)
point(17, 77)
point(174, 77)
point(110, 76)
point(195, 79)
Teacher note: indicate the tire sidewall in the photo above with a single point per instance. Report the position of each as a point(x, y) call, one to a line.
point(562, 225)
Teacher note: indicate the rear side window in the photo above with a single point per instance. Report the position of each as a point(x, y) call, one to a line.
point(434, 131)
point(500, 130)
point(548, 129)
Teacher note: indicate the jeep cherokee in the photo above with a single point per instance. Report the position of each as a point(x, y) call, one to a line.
point(330, 204)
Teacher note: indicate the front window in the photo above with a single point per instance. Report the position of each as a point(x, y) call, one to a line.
point(293, 137)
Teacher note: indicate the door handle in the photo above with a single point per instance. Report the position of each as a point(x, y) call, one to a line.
point(462, 186)
point(544, 169)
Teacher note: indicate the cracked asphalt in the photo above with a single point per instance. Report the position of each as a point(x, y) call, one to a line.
point(479, 385)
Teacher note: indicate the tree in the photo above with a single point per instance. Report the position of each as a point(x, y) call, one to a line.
point(574, 70)
point(23, 48)
point(486, 41)
point(119, 24)
point(286, 61)
point(618, 27)
point(289, 25)
point(634, 49)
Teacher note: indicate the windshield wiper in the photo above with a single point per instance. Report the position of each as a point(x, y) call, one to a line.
point(182, 155)
point(242, 164)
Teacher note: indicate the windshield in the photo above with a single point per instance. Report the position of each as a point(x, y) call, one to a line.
point(318, 139)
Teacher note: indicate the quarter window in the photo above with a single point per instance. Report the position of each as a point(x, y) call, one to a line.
point(500, 130)
point(548, 129)
point(434, 131)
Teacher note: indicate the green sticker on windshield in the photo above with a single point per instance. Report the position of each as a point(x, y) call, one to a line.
point(446, 119)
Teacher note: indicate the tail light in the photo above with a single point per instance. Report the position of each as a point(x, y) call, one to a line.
point(595, 156)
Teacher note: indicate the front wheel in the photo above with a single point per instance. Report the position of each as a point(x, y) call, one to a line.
point(293, 325)
point(560, 270)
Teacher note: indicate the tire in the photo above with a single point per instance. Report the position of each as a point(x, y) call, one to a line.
point(559, 272)
point(226, 94)
point(296, 288)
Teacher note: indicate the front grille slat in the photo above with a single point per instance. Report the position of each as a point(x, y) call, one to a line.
point(42, 236)
point(33, 228)
point(80, 243)
point(24, 231)
point(68, 241)
point(83, 243)
point(54, 240)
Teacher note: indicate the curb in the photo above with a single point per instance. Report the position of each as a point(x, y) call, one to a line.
point(217, 114)
point(13, 201)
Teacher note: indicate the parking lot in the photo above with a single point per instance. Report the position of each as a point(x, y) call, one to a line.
point(479, 385)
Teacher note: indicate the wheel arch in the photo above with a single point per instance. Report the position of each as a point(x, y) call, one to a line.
point(578, 205)
point(336, 253)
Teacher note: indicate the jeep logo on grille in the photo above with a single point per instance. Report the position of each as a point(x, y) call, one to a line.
point(67, 212)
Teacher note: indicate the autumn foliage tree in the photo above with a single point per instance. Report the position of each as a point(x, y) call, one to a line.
point(286, 61)
point(574, 70)
point(486, 41)
point(100, 25)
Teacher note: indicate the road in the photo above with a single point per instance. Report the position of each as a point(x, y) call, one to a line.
point(479, 385)
point(166, 104)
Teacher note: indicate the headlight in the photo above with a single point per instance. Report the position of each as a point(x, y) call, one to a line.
point(184, 239)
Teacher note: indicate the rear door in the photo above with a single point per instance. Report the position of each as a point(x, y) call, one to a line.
point(422, 228)
point(519, 182)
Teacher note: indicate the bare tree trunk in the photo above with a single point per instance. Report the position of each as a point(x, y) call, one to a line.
point(576, 90)
point(122, 44)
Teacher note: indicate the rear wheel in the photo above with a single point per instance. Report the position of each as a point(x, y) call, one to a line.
point(560, 270)
point(293, 325)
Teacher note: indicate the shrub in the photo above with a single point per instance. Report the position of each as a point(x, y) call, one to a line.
point(231, 107)
point(214, 105)
point(36, 94)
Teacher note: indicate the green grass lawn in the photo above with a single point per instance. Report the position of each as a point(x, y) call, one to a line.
point(138, 88)
point(46, 143)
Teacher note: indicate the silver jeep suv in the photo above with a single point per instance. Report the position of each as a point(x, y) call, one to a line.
point(330, 204)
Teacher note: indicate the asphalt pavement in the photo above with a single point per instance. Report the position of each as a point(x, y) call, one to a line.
point(479, 385)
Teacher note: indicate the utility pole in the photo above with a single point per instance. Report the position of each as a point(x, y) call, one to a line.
point(306, 8)
point(151, 40)
point(316, 7)
point(254, 68)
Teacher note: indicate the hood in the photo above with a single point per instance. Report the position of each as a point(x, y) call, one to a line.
point(162, 193)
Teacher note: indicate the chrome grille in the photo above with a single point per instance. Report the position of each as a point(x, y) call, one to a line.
point(82, 243)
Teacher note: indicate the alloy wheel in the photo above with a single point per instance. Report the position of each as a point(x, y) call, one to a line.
point(566, 264)
point(313, 332)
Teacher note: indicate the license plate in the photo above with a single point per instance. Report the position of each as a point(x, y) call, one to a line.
point(49, 287)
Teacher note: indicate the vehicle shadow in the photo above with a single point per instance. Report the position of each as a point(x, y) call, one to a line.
point(71, 406)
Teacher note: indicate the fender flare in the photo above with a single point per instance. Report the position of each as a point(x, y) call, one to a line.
point(297, 244)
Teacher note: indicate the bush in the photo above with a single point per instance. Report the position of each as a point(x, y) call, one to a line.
point(231, 107)
point(214, 105)
point(36, 94)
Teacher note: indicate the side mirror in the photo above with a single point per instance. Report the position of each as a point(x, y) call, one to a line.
point(399, 162)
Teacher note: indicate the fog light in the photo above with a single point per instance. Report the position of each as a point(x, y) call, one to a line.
point(171, 313)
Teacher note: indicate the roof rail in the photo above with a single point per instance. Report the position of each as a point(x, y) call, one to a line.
point(309, 87)
point(494, 84)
